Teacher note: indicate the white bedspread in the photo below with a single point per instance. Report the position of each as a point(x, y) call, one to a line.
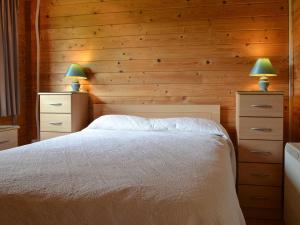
point(102, 177)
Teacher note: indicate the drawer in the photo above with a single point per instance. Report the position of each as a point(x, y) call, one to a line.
point(55, 103)
point(8, 139)
point(260, 174)
point(261, 128)
point(49, 135)
point(56, 122)
point(260, 213)
point(261, 105)
point(260, 151)
point(260, 196)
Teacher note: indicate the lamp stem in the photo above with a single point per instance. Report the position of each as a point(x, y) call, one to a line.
point(263, 83)
point(75, 86)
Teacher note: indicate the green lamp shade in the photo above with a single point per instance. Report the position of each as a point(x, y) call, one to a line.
point(263, 68)
point(76, 72)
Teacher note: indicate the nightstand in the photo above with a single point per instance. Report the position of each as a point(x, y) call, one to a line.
point(8, 137)
point(62, 113)
point(259, 121)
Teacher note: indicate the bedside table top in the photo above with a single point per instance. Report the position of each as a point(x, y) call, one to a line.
point(8, 127)
point(62, 93)
point(260, 92)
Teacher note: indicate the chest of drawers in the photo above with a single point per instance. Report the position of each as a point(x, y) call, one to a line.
point(62, 113)
point(259, 121)
point(8, 137)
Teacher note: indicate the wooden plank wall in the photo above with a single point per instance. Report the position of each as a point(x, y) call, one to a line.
point(164, 52)
point(26, 117)
point(296, 98)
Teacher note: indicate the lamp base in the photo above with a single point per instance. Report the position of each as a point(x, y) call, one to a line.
point(75, 86)
point(263, 83)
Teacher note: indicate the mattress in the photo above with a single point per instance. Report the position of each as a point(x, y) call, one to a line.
point(121, 177)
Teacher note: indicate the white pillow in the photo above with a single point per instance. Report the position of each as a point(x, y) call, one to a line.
point(121, 122)
point(189, 124)
point(125, 122)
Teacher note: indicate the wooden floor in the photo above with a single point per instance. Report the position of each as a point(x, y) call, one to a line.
point(264, 222)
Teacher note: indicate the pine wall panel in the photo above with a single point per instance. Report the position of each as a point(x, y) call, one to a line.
point(296, 98)
point(164, 52)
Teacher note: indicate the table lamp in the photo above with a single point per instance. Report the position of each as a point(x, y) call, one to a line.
point(76, 73)
point(263, 68)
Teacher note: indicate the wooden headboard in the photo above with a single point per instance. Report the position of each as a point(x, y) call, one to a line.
point(159, 111)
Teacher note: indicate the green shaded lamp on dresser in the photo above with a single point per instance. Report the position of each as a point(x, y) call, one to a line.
point(263, 68)
point(76, 73)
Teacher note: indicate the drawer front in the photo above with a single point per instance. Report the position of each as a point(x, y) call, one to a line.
point(261, 105)
point(260, 151)
point(260, 196)
point(56, 122)
point(261, 128)
point(260, 213)
point(8, 139)
point(55, 103)
point(260, 174)
point(49, 135)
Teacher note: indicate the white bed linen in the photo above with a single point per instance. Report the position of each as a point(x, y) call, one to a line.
point(111, 177)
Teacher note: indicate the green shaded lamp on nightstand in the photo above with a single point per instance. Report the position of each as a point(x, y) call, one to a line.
point(263, 68)
point(76, 73)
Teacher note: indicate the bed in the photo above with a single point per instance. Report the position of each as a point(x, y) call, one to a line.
point(126, 170)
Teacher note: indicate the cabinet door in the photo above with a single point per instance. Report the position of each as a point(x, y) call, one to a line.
point(252, 128)
point(8, 139)
point(260, 151)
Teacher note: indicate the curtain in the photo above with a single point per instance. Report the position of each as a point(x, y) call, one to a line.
point(9, 82)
